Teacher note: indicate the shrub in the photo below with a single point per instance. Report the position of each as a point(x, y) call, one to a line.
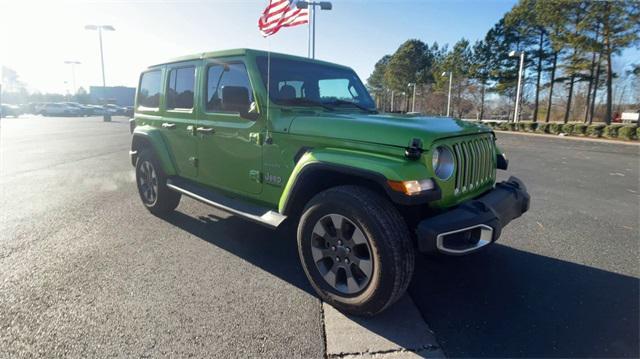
point(504, 126)
point(555, 128)
point(543, 128)
point(567, 128)
point(638, 133)
point(528, 126)
point(595, 130)
point(627, 132)
point(580, 129)
point(512, 126)
point(611, 131)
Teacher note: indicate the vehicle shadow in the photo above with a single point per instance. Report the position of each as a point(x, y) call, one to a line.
point(272, 251)
point(276, 253)
point(500, 303)
point(509, 303)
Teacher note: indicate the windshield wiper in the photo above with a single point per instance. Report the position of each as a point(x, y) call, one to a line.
point(344, 102)
point(304, 101)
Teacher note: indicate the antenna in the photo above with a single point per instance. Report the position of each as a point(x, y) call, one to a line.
point(267, 136)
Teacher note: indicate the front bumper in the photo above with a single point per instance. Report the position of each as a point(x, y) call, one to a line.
point(475, 223)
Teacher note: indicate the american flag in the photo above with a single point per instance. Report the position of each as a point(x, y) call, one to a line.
point(281, 13)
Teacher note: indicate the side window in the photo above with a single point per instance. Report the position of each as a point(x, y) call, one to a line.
point(180, 89)
point(149, 91)
point(232, 81)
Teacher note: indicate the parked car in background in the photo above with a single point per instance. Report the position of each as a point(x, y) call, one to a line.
point(96, 110)
point(79, 109)
point(115, 110)
point(128, 111)
point(56, 109)
point(7, 110)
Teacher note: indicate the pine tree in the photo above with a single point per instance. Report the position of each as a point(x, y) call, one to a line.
point(529, 21)
point(480, 70)
point(620, 26)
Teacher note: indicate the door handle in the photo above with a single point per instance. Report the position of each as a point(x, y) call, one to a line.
point(169, 125)
point(205, 130)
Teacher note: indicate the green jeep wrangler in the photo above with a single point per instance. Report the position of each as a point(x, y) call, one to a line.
point(281, 139)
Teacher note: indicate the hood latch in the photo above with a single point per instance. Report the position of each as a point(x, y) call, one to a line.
point(414, 150)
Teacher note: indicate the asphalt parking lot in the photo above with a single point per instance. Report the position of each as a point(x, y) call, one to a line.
point(87, 271)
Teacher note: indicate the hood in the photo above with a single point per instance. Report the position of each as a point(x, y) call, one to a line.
point(387, 129)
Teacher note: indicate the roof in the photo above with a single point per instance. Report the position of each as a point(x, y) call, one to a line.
point(240, 52)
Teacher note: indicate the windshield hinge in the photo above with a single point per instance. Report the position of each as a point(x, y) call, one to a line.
point(255, 137)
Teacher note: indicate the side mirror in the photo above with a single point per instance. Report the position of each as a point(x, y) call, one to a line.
point(236, 99)
point(252, 114)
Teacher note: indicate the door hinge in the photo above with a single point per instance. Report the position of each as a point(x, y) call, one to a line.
point(256, 137)
point(193, 161)
point(255, 175)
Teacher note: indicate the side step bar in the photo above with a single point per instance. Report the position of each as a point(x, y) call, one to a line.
point(241, 208)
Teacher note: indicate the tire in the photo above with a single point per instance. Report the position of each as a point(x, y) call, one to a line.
point(152, 185)
point(390, 250)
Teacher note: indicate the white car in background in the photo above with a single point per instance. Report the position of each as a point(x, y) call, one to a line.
point(56, 109)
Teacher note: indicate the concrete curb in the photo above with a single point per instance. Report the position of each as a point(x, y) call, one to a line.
point(397, 333)
point(586, 139)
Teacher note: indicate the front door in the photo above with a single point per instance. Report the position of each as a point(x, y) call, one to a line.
point(229, 150)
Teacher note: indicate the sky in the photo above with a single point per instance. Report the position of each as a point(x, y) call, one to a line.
point(36, 37)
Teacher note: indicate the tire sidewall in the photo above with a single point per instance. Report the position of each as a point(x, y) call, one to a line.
point(147, 156)
point(374, 294)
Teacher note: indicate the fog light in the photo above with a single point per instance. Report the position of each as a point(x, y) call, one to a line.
point(412, 188)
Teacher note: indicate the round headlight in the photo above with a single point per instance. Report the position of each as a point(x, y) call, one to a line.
point(443, 163)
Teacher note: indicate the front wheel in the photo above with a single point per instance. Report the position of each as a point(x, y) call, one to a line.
point(355, 249)
point(152, 185)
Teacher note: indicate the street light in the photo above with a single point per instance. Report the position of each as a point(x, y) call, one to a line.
point(106, 117)
point(73, 73)
point(413, 106)
point(449, 97)
point(100, 28)
point(311, 5)
point(392, 99)
point(521, 55)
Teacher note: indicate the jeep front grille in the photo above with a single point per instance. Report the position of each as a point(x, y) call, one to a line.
point(475, 163)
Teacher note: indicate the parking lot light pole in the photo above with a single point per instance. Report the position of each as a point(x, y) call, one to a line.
point(311, 5)
point(100, 28)
point(413, 105)
point(392, 99)
point(521, 55)
point(107, 116)
point(449, 97)
point(73, 73)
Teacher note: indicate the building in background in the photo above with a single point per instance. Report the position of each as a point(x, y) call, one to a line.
point(118, 95)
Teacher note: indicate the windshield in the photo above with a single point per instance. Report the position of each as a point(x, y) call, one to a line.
point(302, 83)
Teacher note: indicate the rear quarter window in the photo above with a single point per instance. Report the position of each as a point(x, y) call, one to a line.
point(149, 90)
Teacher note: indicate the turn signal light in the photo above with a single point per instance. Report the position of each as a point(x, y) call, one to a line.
point(412, 188)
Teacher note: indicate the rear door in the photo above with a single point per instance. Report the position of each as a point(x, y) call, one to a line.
point(179, 119)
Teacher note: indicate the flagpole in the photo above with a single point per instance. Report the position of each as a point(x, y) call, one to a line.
point(313, 19)
point(311, 29)
point(311, 6)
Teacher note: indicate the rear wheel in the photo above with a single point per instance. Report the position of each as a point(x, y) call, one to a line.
point(152, 185)
point(355, 249)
